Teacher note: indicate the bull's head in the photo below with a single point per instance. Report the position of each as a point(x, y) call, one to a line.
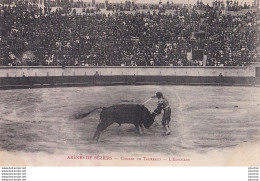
point(157, 111)
point(148, 118)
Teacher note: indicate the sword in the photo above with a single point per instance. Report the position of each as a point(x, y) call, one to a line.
point(146, 101)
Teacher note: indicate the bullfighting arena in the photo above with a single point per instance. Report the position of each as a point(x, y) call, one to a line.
point(211, 125)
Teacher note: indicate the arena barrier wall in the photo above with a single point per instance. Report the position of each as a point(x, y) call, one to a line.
point(42, 71)
point(68, 81)
point(37, 77)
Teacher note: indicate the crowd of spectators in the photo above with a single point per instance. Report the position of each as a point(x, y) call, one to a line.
point(32, 34)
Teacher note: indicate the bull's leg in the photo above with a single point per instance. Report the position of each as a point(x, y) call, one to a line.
point(98, 135)
point(118, 128)
point(137, 128)
point(101, 127)
point(142, 129)
point(97, 131)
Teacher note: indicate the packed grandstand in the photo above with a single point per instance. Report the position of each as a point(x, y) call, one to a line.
point(67, 33)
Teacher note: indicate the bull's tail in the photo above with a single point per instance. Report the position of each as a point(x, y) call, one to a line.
point(79, 116)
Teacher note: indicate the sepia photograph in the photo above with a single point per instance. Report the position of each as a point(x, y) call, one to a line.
point(130, 83)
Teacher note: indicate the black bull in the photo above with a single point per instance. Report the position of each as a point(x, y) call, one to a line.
point(135, 114)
